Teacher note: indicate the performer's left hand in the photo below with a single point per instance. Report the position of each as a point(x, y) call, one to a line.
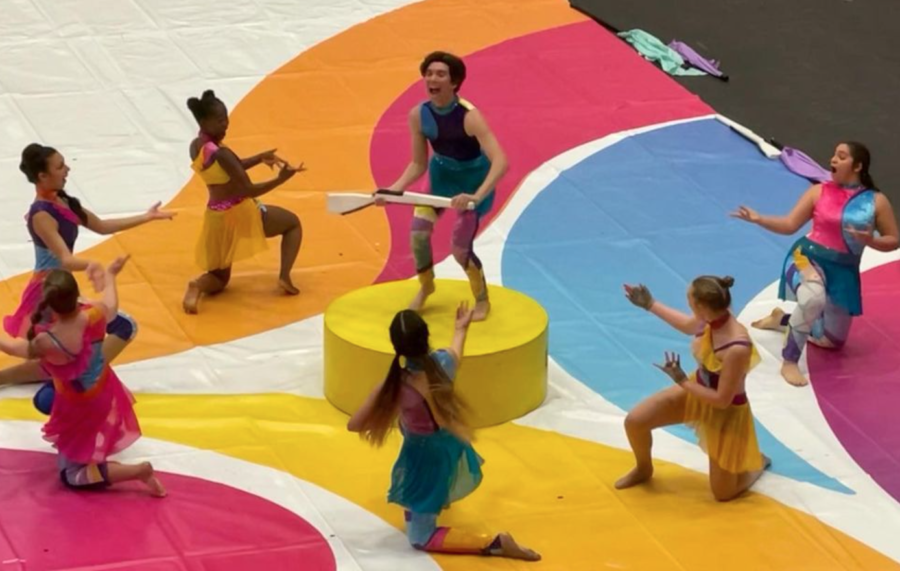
point(673, 368)
point(863, 236)
point(461, 201)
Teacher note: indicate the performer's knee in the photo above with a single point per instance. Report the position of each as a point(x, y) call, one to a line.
point(123, 327)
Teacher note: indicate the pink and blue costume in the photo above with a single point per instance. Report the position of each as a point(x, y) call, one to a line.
point(17, 324)
point(821, 271)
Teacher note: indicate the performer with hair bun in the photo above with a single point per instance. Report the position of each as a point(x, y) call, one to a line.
point(712, 400)
point(235, 224)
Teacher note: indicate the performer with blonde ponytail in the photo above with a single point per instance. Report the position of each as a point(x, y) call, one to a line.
point(437, 464)
point(92, 416)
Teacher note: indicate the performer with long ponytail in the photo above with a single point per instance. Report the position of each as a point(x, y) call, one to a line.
point(92, 416)
point(437, 464)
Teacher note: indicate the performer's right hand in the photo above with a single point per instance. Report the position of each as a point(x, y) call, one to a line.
point(747, 214)
point(639, 295)
point(287, 172)
point(463, 315)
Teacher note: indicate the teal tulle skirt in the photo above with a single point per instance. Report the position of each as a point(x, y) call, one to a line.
point(433, 471)
point(449, 177)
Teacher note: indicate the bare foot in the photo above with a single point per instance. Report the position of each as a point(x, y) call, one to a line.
point(419, 301)
point(791, 373)
point(638, 475)
point(509, 548)
point(191, 298)
point(152, 482)
point(288, 287)
point(771, 322)
point(482, 308)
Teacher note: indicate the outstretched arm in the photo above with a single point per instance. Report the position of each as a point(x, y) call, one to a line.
point(239, 179)
point(461, 331)
point(113, 225)
point(640, 296)
point(799, 215)
point(15, 347)
point(418, 164)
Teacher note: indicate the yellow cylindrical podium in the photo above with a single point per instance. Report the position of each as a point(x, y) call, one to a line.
point(503, 374)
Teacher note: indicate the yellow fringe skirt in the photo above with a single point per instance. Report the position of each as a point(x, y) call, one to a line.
point(231, 235)
point(727, 435)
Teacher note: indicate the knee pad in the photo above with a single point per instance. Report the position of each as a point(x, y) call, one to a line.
point(43, 399)
point(123, 327)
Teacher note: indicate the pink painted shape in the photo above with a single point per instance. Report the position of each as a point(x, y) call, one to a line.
point(858, 388)
point(201, 525)
point(542, 94)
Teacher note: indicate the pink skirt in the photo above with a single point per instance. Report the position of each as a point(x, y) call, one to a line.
point(90, 426)
point(17, 324)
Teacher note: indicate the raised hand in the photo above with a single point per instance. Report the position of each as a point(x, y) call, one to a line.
point(639, 295)
point(463, 315)
point(117, 265)
point(269, 158)
point(154, 213)
point(746, 214)
point(672, 368)
point(96, 275)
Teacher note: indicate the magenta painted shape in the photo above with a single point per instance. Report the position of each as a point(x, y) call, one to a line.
point(858, 388)
point(542, 94)
point(201, 525)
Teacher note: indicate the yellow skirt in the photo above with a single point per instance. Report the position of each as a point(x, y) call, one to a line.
point(231, 235)
point(727, 435)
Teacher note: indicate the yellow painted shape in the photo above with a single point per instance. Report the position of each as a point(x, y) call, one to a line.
point(504, 375)
point(321, 108)
point(552, 492)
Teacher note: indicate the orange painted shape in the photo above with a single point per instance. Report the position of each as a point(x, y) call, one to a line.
point(321, 108)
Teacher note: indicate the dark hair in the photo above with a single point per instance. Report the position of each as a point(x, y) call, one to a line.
point(204, 106)
point(862, 156)
point(713, 292)
point(454, 64)
point(409, 336)
point(34, 162)
point(60, 293)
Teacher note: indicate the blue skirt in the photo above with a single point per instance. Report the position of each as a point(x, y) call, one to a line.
point(432, 471)
point(839, 270)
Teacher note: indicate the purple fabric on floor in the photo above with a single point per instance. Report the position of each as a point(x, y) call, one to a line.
point(799, 163)
point(690, 56)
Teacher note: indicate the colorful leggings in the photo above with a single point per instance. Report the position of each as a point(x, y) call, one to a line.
point(464, 230)
point(84, 476)
point(424, 534)
point(123, 327)
point(816, 319)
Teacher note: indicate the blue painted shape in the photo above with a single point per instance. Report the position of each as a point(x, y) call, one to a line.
point(651, 209)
